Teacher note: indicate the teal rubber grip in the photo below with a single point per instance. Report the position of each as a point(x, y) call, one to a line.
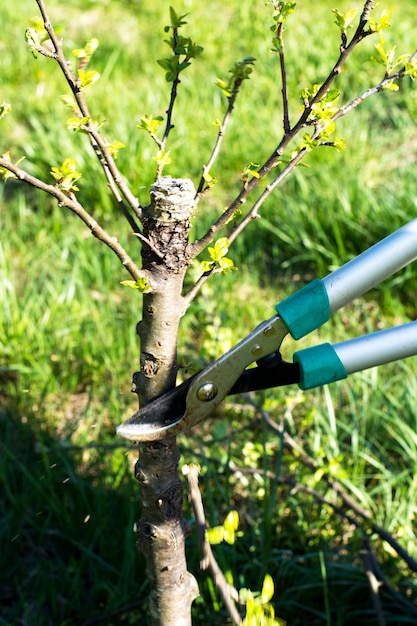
point(306, 309)
point(318, 366)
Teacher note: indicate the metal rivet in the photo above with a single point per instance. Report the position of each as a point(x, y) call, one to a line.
point(257, 350)
point(207, 391)
point(269, 331)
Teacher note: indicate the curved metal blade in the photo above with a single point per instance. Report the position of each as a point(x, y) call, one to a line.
point(159, 416)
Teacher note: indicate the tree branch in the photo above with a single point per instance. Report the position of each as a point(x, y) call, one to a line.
point(97, 141)
point(70, 202)
point(286, 118)
point(228, 593)
point(347, 108)
point(220, 136)
point(273, 160)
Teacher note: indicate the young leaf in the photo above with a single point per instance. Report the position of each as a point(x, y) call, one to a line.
point(250, 171)
point(5, 108)
point(176, 20)
point(267, 589)
point(33, 41)
point(215, 535)
point(141, 284)
point(150, 123)
point(162, 158)
point(66, 175)
point(86, 53)
point(381, 24)
point(344, 20)
point(5, 173)
point(87, 78)
point(115, 147)
point(77, 123)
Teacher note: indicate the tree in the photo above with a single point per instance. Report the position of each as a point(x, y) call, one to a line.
point(163, 229)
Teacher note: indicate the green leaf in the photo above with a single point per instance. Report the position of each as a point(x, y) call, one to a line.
point(339, 144)
point(240, 71)
point(115, 147)
point(141, 284)
point(150, 123)
point(231, 523)
point(69, 101)
point(66, 175)
point(33, 41)
point(162, 158)
point(209, 179)
point(176, 20)
point(207, 266)
point(5, 108)
point(250, 171)
point(267, 592)
point(390, 86)
point(411, 68)
point(218, 257)
point(87, 52)
point(282, 10)
point(219, 250)
point(87, 78)
point(215, 535)
point(5, 173)
point(381, 24)
point(77, 123)
point(344, 20)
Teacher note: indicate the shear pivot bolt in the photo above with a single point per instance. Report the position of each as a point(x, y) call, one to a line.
point(257, 351)
point(207, 392)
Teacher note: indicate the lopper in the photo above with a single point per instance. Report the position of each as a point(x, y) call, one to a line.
point(304, 311)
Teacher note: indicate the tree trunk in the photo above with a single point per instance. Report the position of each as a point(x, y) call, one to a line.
point(161, 529)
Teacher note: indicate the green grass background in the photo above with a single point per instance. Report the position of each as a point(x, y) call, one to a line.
point(67, 327)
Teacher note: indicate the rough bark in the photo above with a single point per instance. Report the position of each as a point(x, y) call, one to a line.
point(161, 531)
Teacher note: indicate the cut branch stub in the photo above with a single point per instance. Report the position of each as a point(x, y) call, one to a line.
point(166, 223)
point(172, 199)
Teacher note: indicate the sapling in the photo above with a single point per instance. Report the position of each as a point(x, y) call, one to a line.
point(162, 227)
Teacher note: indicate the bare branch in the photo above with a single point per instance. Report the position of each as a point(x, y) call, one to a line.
point(70, 202)
point(374, 585)
point(387, 80)
point(286, 118)
point(195, 289)
point(227, 592)
point(97, 141)
point(220, 137)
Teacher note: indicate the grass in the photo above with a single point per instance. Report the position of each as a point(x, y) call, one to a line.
point(67, 330)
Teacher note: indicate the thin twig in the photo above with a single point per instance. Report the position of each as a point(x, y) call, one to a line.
point(286, 117)
point(347, 108)
point(220, 136)
point(374, 585)
point(195, 289)
point(227, 592)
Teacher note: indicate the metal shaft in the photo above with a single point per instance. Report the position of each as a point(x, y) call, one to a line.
point(372, 266)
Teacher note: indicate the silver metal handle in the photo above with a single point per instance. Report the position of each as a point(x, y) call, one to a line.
point(378, 348)
point(372, 266)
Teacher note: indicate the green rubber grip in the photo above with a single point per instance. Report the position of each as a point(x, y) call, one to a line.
point(318, 366)
point(306, 309)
